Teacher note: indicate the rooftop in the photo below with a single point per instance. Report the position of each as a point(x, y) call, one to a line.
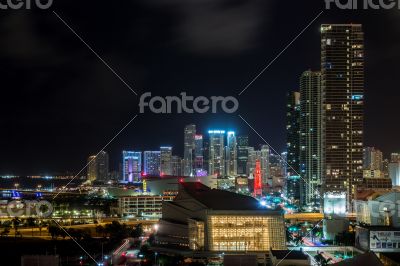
point(219, 199)
point(289, 255)
point(366, 259)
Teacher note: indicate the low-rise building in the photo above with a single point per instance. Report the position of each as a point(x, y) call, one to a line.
point(142, 205)
point(213, 220)
point(379, 210)
point(289, 258)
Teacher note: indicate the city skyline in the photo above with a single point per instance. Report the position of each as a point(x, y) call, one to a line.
point(184, 132)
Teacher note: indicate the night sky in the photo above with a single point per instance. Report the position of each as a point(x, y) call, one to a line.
point(60, 103)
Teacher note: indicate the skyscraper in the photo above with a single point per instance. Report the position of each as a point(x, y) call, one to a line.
point(342, 70)
point(188, 149)
point(166, 160)
point(92, 168)
point(216, 164)
point(198, 155)
point(373, 159)
point(98, 167)
point(311, 150)
point(293, 182)
point(131, 166)
point(231, 154)
point(263, 157)
point(251, 161)
point(151, 163)
point(176, 165)
point(242, 154)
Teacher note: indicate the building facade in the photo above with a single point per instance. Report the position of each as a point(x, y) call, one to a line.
point(342, 78)
point(372, 159)
point(199, 155)
point(216, 163)
point(293, 182)
point(211, 220)
point(311, 149)
point(131, 166)
point(188, 150)
point(231, 154)
point(98, 167)
point(152, 163)
point(143, 205)
point(166, 160)
point(242, 154)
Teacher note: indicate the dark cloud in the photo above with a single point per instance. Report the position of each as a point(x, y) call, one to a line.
point(218, 27)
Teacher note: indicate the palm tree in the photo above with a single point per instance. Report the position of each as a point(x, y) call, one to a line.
point(298, 240)
point(100, 230)
point(5, 231)
point(31, 222)
point(15, 222)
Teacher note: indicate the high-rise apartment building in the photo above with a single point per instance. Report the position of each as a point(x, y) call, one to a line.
point(231, 154)
point(166, 160)
point(342, 72)
point(293, 182)
point(188, 150)
point(311, 149)
point(151, 163)
point(131, 166)
point(216, 164)
point(372, 159)
point(242, 154)
point(98, 167)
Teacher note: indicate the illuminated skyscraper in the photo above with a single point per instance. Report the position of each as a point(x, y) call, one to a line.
point(92, 168)
point(293, 146)
point(257, 179)
point(251, 161)
point(231, 154)
point(166, 160)
point(216, 150)
point(373, 159)
point(152, 163)
point(199, 155)
point(176, 165)
point(188, 152)
point(311, 149)
point(131, 166)
point(263, 157)
point(98, 167)
point(242, 154)
point(342, 68)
